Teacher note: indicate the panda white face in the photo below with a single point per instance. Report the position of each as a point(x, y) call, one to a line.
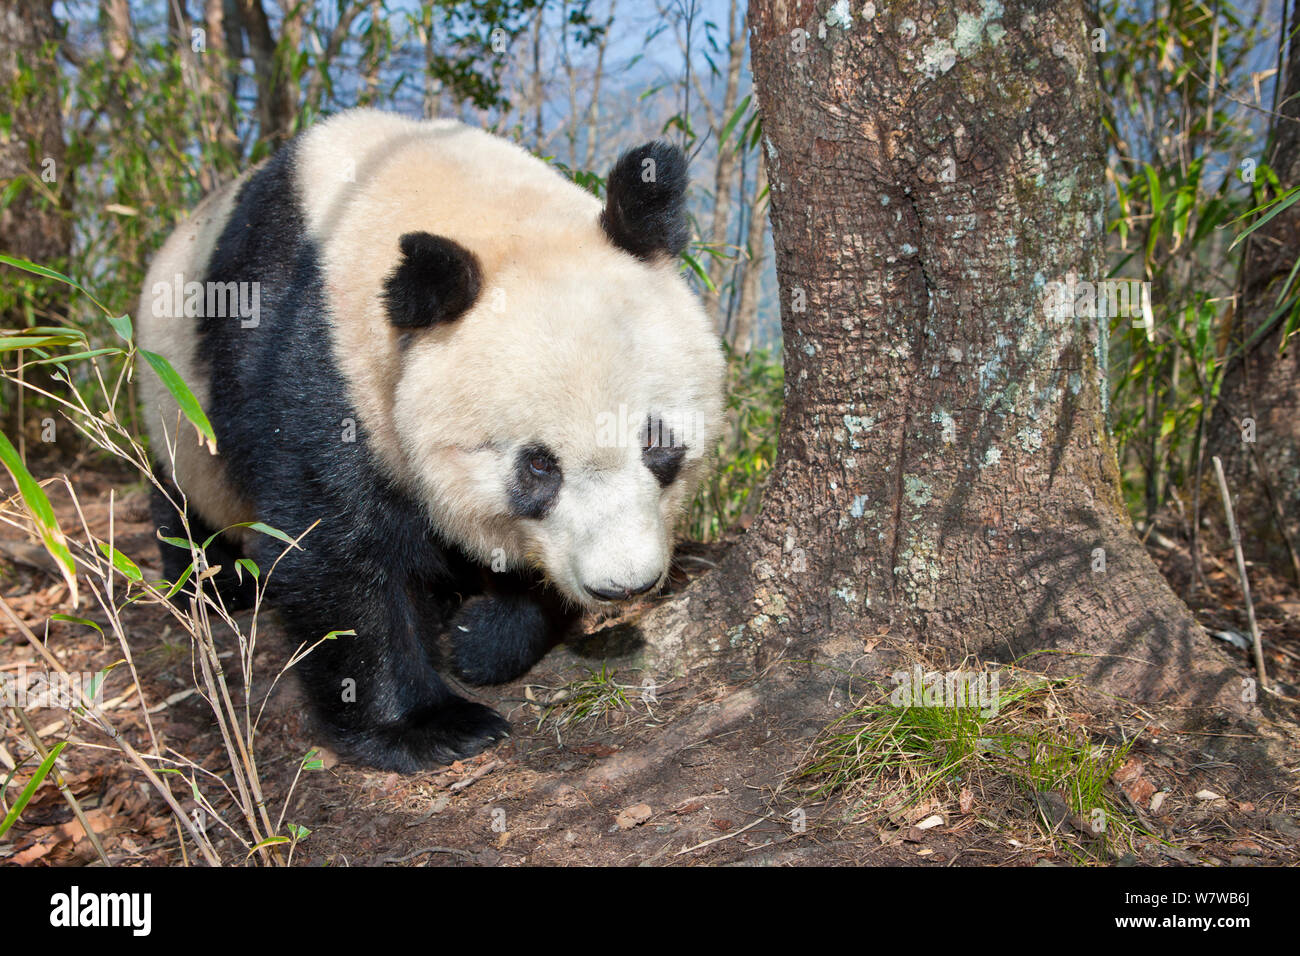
point(567, 431)
point(599, 528)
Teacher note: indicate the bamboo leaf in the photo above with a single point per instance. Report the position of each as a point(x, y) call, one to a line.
point(698, 269)
point(25, 797)
point(180, 582)
point(735, 118)
point(121, 562)
point(1281, 204)
point(269, 841)
point(33, 268)
point(13, 343)
point(38, 506)
point(189, 405)
point(76, 356)
point(76, 620)
point(259, 526)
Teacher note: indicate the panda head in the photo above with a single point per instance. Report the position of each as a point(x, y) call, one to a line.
point(560, 386)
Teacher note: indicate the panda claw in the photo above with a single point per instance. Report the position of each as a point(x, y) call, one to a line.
point(456, 730)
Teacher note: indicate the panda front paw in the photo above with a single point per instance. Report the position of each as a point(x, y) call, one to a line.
point(455, 730)
point(496, 639)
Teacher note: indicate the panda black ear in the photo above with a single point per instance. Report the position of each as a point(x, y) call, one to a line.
point(437, 280)
point(645, 201)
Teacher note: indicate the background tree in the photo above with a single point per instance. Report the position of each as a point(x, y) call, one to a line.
point(32, 153)
point(34, 219)
point(1262, 381)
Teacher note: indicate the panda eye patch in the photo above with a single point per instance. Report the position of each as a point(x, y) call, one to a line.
point(535, 482)
point(664, 463)
point(661, 452)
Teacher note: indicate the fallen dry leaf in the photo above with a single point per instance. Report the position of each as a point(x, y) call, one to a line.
point(72, 830)
point(633, 816)
point(1284, 825)
point(34, 852)
point(1135, 786)
point(1246, 848)
point(595, 750)
point(327, 757)
point(921, 811)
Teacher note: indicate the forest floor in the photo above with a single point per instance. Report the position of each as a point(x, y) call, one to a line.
point(720, 791)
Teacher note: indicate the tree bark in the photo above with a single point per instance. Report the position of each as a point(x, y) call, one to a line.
point(334, 46)
point(742, 332)
point(1260, 384)
point(593, 104)
point(115, 24)
point(944, 474)
point(373, 58)
point(724, 172)
point(277, 101)
point(220, 78)
point(32, 225)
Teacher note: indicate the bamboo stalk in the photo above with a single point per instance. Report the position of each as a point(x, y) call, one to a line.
point(1241, 572)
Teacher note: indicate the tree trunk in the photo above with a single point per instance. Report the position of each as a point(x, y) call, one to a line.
point(277, 101)
point(115, 24)
point(220, 78)
point(593, 104)
point(742, 332)
point(1263, 462)
point(724, 172)
point(944, 475)
point(334, 46)
point(539, 83)
point(373, 57)
point(33, 224)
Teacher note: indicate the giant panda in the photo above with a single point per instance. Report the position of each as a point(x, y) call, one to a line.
point(487, 395)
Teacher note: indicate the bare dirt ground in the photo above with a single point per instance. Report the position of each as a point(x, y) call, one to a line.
point(712, 790)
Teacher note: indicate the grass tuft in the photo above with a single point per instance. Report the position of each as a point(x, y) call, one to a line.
point(593, 697)
point(890, 760)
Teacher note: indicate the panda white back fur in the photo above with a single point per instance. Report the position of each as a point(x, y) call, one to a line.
point(532, 388)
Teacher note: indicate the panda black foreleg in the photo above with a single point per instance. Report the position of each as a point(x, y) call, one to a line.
point(500, 635)
point(377, 691)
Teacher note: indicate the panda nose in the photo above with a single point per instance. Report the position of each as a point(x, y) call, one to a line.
point(621, 593)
